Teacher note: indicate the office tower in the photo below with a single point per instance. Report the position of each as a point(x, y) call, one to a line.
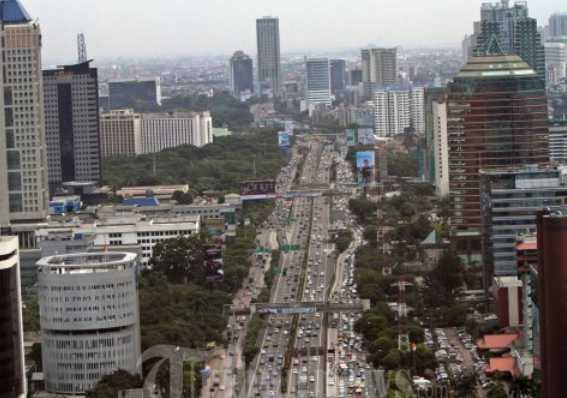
point(497, 117)
point(81, 48)
point(552, 301)
point(89, 318)
point(120, 133)
point(23, 161)
point(134, 93)
point(379, 68)
point(355, 77)
point(161, 130)
point(555, 62)
point(511, 198)
point(558, 141)
point(470, 42)
point(397, 110)
point(268, 42)
point(338, 75)
point(506, 29)
point(317, 83)
point(72, 124)
point(241, 74)
point(558, 25)
point(12, 371)
point(440, 148)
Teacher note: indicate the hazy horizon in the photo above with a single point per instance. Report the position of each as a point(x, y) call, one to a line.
point(176, 28)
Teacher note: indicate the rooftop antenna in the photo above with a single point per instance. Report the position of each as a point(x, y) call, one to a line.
point(81, 48)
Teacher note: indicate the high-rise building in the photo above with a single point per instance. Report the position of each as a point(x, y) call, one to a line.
point(133, 93)
point(511, 198)
point(497, 117)
point(241, 74)
point(121, 133)
point(558, 25)
point(317, 83)
point(23, 160)
point(440, 148)
point(555, 62)
point(268, 42)
point(89, 318)
point(338, 75)
point(355, 77)
point(72, 124)
point(12, 371)
point(552, 301)
point(431, 95)
point(470, 42)
point(507, 30)
point(398, 109)
point(161, 130)
point(558, 141)
point(379, 68)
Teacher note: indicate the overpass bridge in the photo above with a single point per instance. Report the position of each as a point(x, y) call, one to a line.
point(302, 308)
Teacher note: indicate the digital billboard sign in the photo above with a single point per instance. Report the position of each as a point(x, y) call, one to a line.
point(261, 189)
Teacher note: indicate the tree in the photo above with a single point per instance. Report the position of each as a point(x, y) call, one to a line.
point(447, 276)
point(109, 386)
point(182, 198)
point(371, 235)
point(363, 209)
point(465, 384)
point(497, 391)
point(180, 259)
point(35, 356)
point(393, 360)
point(522, 387)
point(424, 358)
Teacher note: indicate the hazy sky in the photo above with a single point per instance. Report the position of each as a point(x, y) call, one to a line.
point(189, 27)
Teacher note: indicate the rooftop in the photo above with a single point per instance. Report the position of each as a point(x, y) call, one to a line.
point(495, 66)
point(88, 261)
point(12, 12)
point(504, 364)
point(497, 341)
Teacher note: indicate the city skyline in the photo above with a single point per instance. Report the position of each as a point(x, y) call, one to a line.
point(182, 33)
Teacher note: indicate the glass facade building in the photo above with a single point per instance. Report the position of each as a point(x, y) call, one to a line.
point(496, 117)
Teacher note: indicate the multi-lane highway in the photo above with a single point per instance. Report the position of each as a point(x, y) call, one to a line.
point(310, 355)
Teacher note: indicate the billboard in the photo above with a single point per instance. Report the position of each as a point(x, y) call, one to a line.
point(289, 127)
point(352, 138)
point(365, 164)
point(283, 139)
point(366, 137)
point(261, 189)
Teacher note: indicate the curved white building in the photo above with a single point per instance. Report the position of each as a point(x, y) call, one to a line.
point(89, 318)
point(12, 374)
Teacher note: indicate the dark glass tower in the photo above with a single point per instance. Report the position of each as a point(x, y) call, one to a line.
point(338, 75)
point(241, 73)
point(72, 124)
point(506, 29)
point(497, 117)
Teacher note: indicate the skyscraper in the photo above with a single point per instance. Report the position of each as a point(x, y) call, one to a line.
point(338, 75)
point(23, 160)
point(317, 82)
point(72, 124)
point(268, 42)
point(558, 25)
point(241, 74)
point(131, 93)
point(506, 29)
point(497, 116)
point(379, 68)
point(12, 371)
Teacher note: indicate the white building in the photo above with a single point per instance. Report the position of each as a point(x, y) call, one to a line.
point(130, 232)
point(121, 133)
point(440, 148)
point(398, 109)
point(89, 316)
point(126, 133)
point(23, 155)
point(555, 62)
point(12, 376)
point(317, 83)
point(558, 142)
point(161, 131)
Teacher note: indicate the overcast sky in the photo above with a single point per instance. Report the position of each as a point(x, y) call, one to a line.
point(191, 27)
